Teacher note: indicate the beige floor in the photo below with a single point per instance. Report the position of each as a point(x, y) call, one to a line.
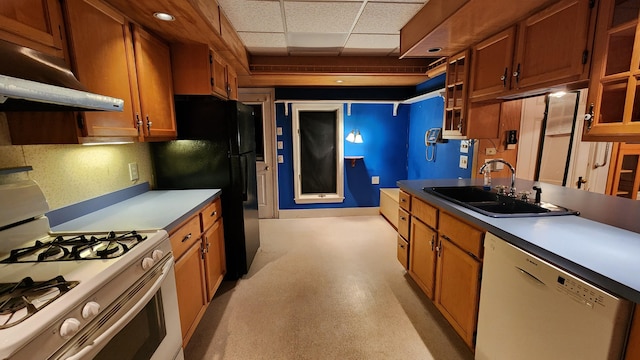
point(326, 288)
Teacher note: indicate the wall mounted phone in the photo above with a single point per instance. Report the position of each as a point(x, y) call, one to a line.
point(431, 137)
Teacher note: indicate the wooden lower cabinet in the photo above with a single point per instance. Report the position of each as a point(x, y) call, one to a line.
point(422, 262)
point(458, 289)
point(445, 261)
point(190, 283)
point(198, 246)
point(214, 258)
point(633, 343)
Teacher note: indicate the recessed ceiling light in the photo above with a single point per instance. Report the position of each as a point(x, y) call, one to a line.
point(435, 50)
point(164, 16)
point(339, 81)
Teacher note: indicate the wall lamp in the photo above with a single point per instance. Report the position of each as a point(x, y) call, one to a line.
point(354, 136)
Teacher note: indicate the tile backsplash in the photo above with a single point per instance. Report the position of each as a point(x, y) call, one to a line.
point(68, 174)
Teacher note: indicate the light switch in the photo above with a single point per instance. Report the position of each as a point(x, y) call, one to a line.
point(280, 145)
point(280, 159)
point(279, 131)
point(375, 180)
point(464, 146)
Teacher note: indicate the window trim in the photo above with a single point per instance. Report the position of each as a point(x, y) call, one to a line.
point(338, 196)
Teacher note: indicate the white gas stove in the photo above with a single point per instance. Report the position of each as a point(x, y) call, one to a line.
point(78, 296)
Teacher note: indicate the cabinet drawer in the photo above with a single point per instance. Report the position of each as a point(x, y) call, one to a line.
point(403, 223)
point(185, 236)
point(467, 237)
point(210, 214)
point(425, 212)
point(403, 252)
point(404, 200)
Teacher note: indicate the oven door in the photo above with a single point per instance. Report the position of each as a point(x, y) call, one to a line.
point(142, 324)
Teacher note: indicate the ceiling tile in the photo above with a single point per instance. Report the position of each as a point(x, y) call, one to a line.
point(253, 15)
point(366, 41)
point(316, 17)
point(401, 1)
point(265, 40)
point(385, 18)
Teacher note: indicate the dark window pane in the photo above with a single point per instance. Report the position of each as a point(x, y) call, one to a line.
point(257, 117)
point(318, 152)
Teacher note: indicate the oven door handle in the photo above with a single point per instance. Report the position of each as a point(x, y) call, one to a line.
point(105, 337)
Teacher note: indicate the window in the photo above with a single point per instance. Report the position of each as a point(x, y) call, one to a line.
point(317, 153)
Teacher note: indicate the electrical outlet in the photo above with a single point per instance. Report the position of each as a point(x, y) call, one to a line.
point(280, 145)
point(375, 180)
point(133, 172)
point(464, 146)
point(464, 159)
point(280, 159)
point(279, 131)
point(490, 151)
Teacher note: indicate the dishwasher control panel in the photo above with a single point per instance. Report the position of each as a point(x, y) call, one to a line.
point(580, 292)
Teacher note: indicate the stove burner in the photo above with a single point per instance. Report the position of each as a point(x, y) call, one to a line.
point(18, 301)
point(77, 248)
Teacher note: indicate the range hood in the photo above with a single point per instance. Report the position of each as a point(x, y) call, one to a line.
point(33, 81)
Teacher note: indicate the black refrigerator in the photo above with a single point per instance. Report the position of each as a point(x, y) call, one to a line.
point(216, 149)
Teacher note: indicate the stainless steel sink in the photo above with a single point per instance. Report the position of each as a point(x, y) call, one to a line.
point(492, 204)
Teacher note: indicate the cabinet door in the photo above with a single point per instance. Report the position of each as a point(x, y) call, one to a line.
point(422, 258)
point(36, 24)
point(456, 89)
point(625, 177)
point(232, 83)
point(491, 70)
point(100, 42)
point(615, 70)
point(215, 266)
point(633, 343)
point(551, 45)
point(219, 71)
point(458, 289)
point(190, 284)
point(153, 66)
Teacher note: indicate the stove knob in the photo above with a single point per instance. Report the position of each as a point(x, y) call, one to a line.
point(147, 263)
point(69, 327)
point(90, 310)
point(157, 255)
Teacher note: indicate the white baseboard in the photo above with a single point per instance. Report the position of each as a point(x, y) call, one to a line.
point(314, 213)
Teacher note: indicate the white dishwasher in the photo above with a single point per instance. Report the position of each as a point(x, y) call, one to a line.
point(530, 309)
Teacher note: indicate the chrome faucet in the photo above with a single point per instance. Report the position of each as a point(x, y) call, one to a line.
point(512, 190)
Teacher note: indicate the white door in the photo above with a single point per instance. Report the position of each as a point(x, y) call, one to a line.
point(589, 166)
point(262, 102)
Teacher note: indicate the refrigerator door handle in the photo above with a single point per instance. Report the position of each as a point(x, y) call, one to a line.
point(244, 174)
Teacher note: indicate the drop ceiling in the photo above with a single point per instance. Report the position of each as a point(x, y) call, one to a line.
point(320, 28)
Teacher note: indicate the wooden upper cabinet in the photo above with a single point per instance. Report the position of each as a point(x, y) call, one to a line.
point(455, 100)
point(219, 71)
point(102, 53)
point(553, 46)
point(153, 68)
point(547, 49)
point(36, 24)
point(613, 92)
point(198, 70)
point(492, 61)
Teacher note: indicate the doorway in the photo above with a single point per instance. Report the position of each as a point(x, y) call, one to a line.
point(550, 148)
point(261, 100)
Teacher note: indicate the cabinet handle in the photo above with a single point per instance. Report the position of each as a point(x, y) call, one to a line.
point(403, 218)
point(138, 122)
point(401, 246)
point(438, 248)
point(186, 237)
point(403, 200)
point(214, 213)
point(206, 239)
point(149, 123)
point(503, 78)
point(516, 74)
point(433, 242)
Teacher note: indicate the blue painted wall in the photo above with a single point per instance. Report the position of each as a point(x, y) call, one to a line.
point(393, 147)
point(423, 116)
point(384, 150)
